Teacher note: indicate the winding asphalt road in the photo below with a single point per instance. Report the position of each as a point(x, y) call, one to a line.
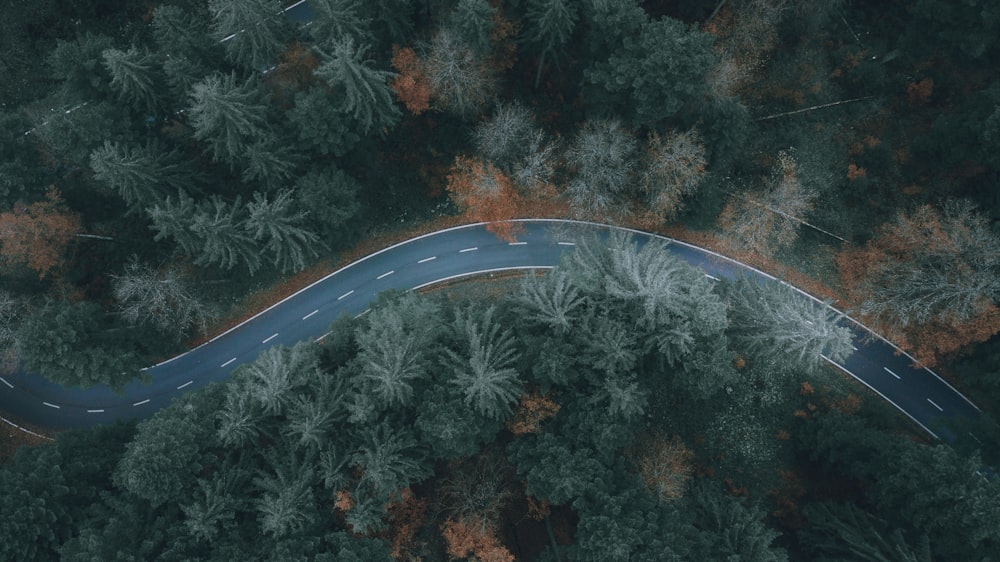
point(433, 258)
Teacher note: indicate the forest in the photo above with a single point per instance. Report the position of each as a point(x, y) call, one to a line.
point(166, 167)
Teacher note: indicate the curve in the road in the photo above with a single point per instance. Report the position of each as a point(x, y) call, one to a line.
point(433, 258)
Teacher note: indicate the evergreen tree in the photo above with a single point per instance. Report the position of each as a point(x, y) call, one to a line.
point(331, 196)
point(650, 78)
point(172, 218)
point(337, 19)
point(277, 224)
point(484, 373)
point(844, 530)
point(226, 115)
point(473, 22)
point(268, 163)
point(286, 504)
point(213, 510)
point(323, 125)
point(366, 91)
point(389, 461)
point(220, 229)
point(551, 300)
point(140, 174)
point(730, 529)
point(776, 322)
point(549, 26)
point(78, 66)
point(253, 31)
point(134, 75)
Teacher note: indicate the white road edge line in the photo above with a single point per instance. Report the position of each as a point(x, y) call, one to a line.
point(425, 260)
point(480, 272)
point(517, 243)
point(306, 317)
point(386, 274)
point(52, 405)
point(884, 397)
point(712, 277)
point(185, 384)
point(345, 295)
point(472, 249)
point(366, 311)
point(6, 383)
point(230, 362)
point(566, 243)
point(891, 373)
point(940, 409)
point(95, 411)
point(140, 403)
point(269, 338)
point(319, 339)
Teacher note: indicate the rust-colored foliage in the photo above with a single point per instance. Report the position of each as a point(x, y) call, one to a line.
point(405, 518)
point(411, 84)
point(665, 466)
point(532, 410)
point(36, 235)
point(294, 72)
point(538, 510)
point(342, 500)
point(466, 539)
point(919, 93)
point(806, 389)
point(854, 172)
point(484, 194)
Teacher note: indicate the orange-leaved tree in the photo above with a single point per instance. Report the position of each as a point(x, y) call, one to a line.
point(469, 538)
point(484, 194)
point(36, 235)
point(931, 276)
point(411, 84)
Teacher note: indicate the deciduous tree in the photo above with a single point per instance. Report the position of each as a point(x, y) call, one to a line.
point(484, 193)
point(37, 235)
point(411, 84)
point(461, 81)
point(602, 160)
point(673, 169)
point(162, 297)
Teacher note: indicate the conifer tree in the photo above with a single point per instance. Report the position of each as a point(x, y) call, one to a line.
point(549, 25)
point(134, 75)
point(226, 115)
point(278, 226)
point(253, 31)
point(365, 89)
point(484, 373)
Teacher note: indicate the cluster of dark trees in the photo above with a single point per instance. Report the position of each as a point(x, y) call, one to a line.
point(639, 410)
point(159, 161)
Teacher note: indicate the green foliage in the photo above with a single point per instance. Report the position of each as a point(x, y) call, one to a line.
point(331, 196)
point(168, 452)
point(774, 321)
point(140, 175)
point(226, 115)
point(33, 509)
point(844, 530)
point(484, 373)
point(134, 75)
point(280, 225)
point(77, 345)
point(365, 91)
point(78, 66)
point(336, 19)
point(650, 78)
point(253, 31)
point(731, 529)
point(556, 471)
point(549, 25)
point(323, 125)
point(472, 21)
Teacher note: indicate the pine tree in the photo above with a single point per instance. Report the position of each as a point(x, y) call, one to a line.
point(484, 374)
point(276, 224)
point(389, 461)
point(551, 300)
point(286, 504)
point(140, 174)
point(172, 218)
point(213, 511)
point(778, 323)
point(134, 74)
point(268, 163)
point(473, 22)
point(366, 91)
point(220, 229)
point(226, 115)
point(549, 26)
point(337, 19)
point(253, 31)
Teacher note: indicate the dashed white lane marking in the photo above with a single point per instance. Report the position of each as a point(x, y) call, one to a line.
point(386, 274)
point(185, 384)
point(6, 383)
point(854, 348)
point(95, 411)
point(810, 322)
point(891, 373)
point(140, 403)
point(52, 405)
point(517, 243)
point(425, 260)
point(269, 338)
point(567, 243)
point(472, 249)
point(940, 409)
point(712, 277)
point(230, 362)
point(345, 295)
point(306, 317)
